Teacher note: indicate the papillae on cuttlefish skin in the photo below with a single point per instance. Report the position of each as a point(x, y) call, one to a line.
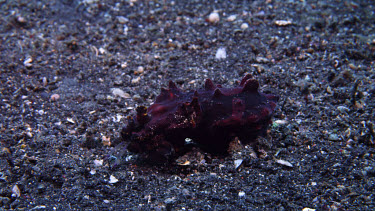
point(211, 117)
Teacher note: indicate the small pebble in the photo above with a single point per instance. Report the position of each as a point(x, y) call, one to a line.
point(122, 19)
point(261, 59)
point(124, 65)
point(333, 137)
point(244, 26)
point(139, 70)
point(343, 109)
point(307, 78)
point(169, 200)
point(126, 29)
point(214, 17)
point(102, 51)
point(45, 81)
point(353, 67)
point(241, 194)
point(21, 19)
point(232, 18)
point(136, 97)
point(136, 80)
point(260, 14)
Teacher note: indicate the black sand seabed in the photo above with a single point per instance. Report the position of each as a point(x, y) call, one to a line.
point(71, 71)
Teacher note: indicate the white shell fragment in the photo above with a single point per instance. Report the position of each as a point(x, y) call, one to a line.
point(70, 120)
point(28, 62)
point(113, 179)
point(284, 163)
point(237, 163)
point(122, 19)
point(221, 53)
point(16, 191)
point(280, 122)
point(98, 163)
point(283, 23)
point(241, 194)
point(308, 209)
point(119, 93)
point(136, 80)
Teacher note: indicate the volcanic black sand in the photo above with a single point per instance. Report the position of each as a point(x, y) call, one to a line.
point(71, 71)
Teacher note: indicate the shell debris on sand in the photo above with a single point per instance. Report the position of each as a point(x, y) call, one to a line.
point(221, 53)
point(214, 17)
point(120, 93)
